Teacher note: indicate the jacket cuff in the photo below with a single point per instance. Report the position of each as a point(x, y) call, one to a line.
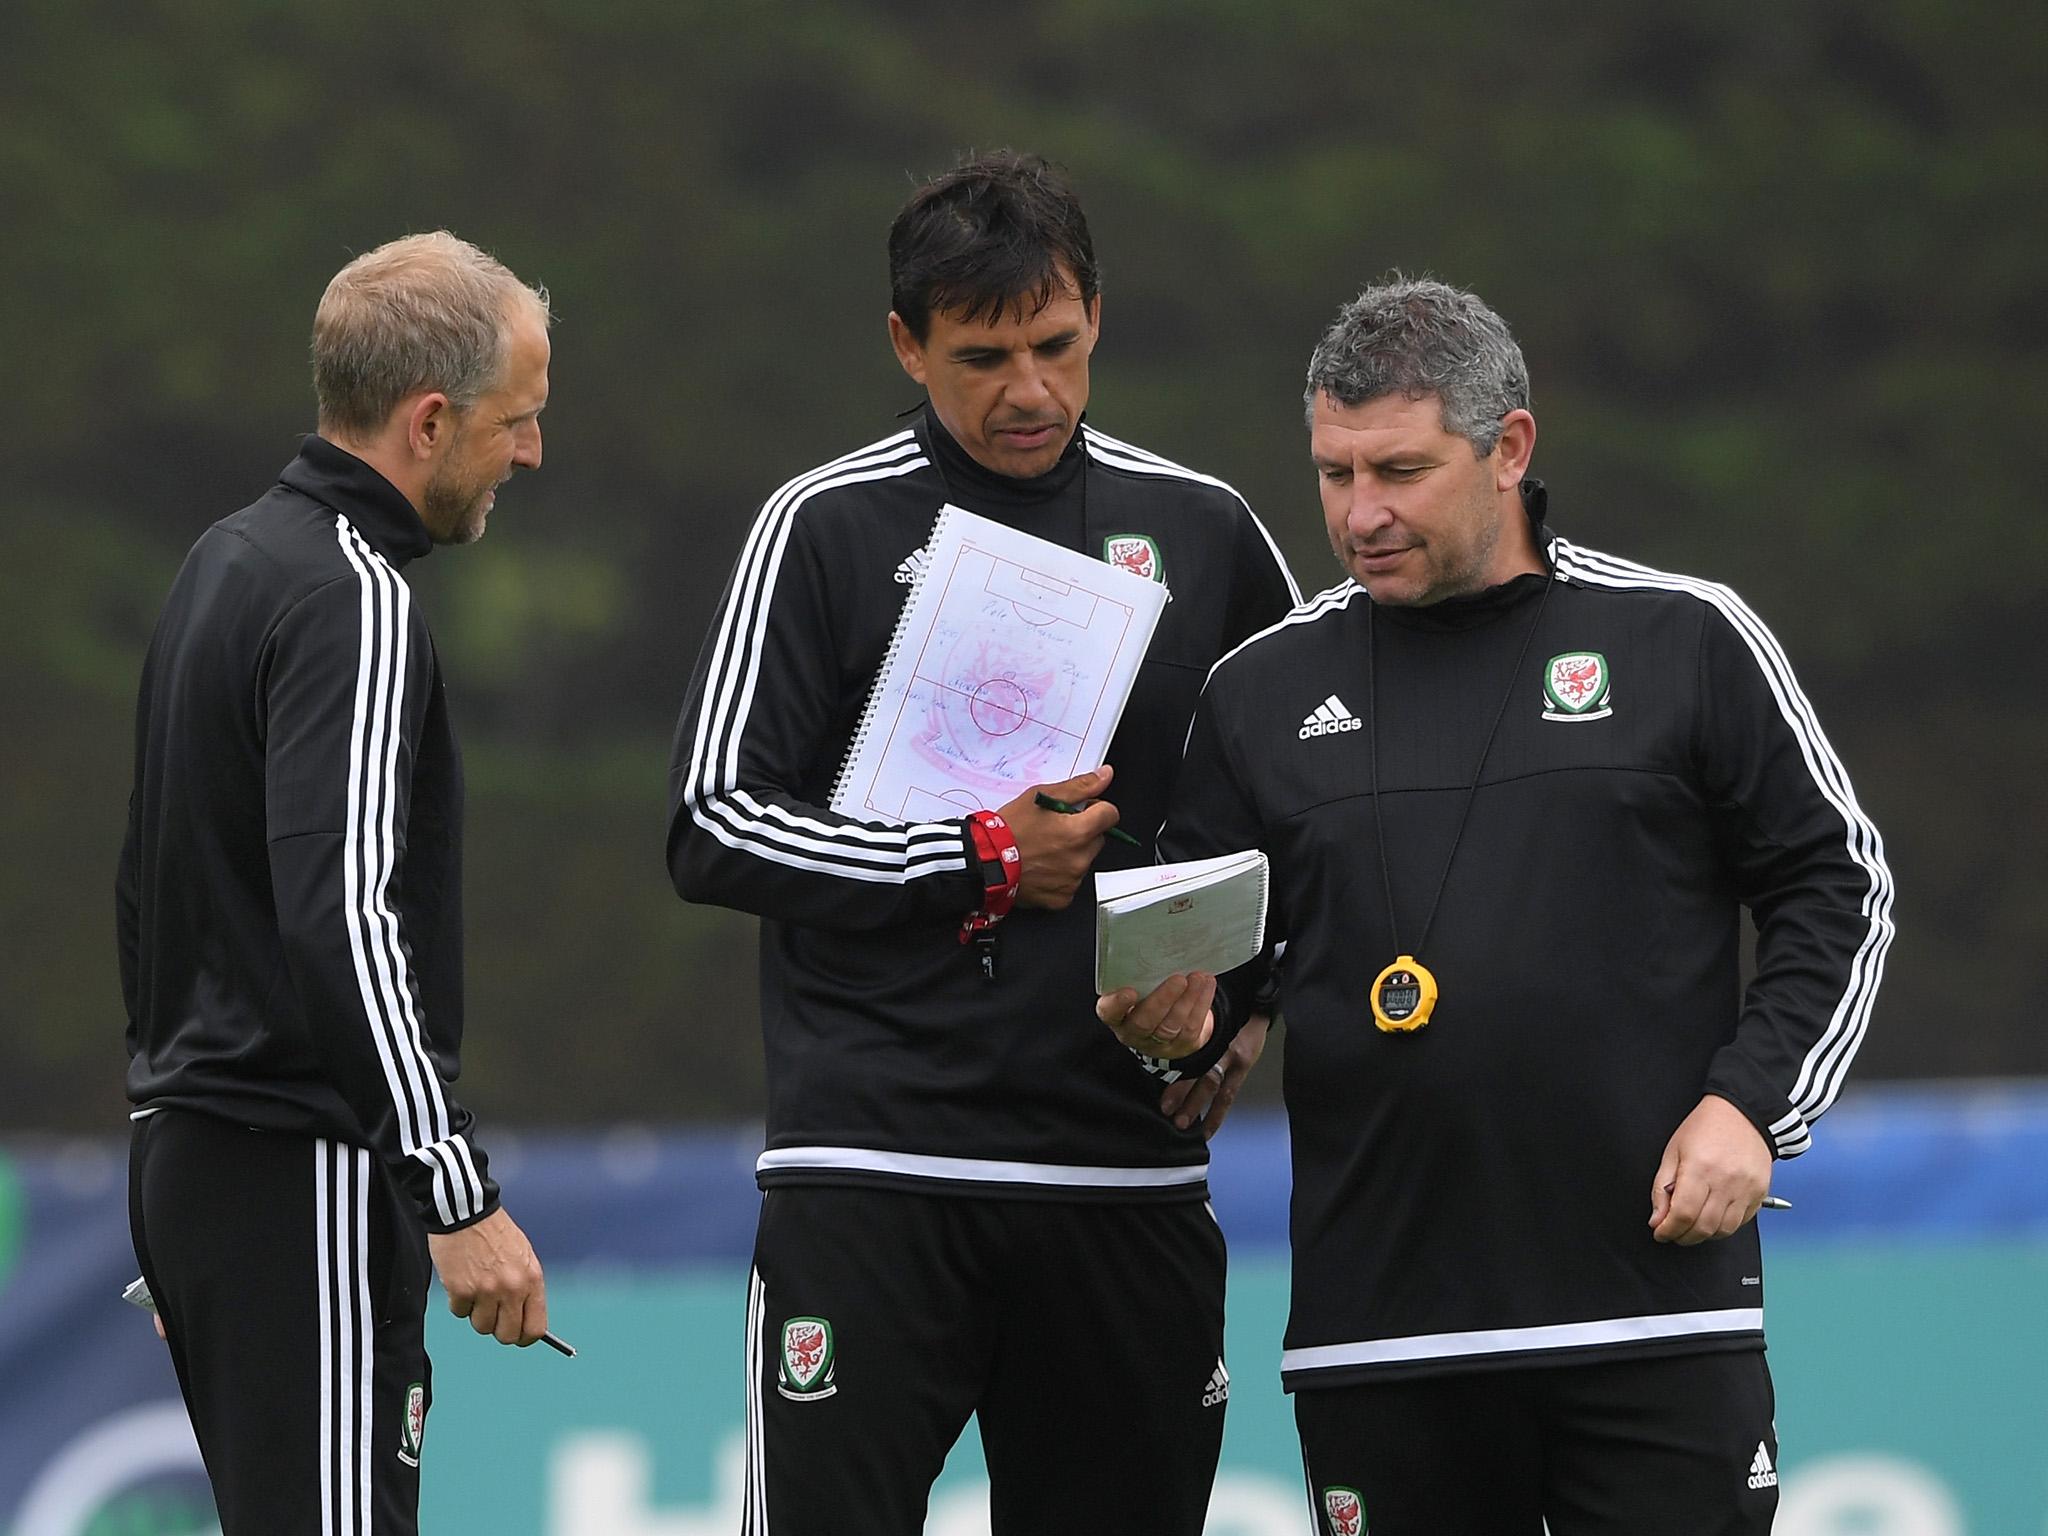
point(434, 1225)
point(1784, 1130)
point(450, 1184)
point(955, 894)
point(1265, 997)
point(1197, 1062)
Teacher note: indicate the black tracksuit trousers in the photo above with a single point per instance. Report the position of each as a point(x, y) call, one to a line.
point(292, 1282)
point(1087, 1339)
point(1682, 1445)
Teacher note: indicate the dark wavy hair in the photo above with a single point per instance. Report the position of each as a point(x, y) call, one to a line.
point(993, 233)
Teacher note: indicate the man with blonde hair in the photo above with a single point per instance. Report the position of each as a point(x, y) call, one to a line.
point(289, 912)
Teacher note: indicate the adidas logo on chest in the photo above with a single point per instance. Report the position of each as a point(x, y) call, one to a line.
point(1328, 719)
point(910, 567)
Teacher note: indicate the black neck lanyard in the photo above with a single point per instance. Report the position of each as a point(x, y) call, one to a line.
point(1471, 794)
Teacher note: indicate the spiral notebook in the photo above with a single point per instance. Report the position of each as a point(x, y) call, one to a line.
point(1010, 666)
point(1203, 915)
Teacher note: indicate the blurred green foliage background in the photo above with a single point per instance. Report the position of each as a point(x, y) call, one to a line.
point(1772, 267)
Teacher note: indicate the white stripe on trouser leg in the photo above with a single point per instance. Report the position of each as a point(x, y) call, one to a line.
point(757, 1427)
point(341, 1247)
point(341, 1449)
point(752, 1451)
point(366, 1334)
point(323, 1270)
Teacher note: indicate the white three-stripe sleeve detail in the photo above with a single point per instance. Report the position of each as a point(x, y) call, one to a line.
point(1825, 1063)
point(420, 1071)
point(895, 874)
point(1790, 1134)
point(1129, 456)
point(381, 816)
point(384, 802)
point(712, 792)
point(354, 871)
point(1333, 600)
point(758, 630)
point(901, 846)
point(716, 715)
point(1825, 1066)
point(939, 836)
point(471, 1180)
point(369, 858)
point(443, 1184)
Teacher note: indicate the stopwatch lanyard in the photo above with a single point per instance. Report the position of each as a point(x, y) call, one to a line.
point(1471, 794)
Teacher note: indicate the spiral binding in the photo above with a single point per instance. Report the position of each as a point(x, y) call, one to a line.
point(840, 785)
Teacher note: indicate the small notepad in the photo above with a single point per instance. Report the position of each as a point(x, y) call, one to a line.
point(1010, 666)
point(1166, 919)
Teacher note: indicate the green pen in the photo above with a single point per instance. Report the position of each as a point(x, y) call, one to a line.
point(1046, 802)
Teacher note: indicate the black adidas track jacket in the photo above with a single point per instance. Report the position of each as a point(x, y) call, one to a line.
point(890, 1061)
point(289, 900)
point(1475, 1194)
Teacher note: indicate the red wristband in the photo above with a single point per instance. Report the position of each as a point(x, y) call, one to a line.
point(1002, 871)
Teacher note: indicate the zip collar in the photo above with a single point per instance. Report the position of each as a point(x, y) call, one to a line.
point(979, 486)
point(1475, 610)
point(376, 508)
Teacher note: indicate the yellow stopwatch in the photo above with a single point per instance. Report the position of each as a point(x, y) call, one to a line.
point(1403, 995)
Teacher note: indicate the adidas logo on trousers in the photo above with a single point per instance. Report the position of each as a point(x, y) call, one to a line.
point(1761, 1473)
point(1218, 1390)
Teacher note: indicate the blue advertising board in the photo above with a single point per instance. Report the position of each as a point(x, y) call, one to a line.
point(1909, 1341)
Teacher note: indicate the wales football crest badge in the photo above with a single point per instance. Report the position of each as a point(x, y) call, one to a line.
point(806, 1367)
point(1345, 1511)
point(414, 1430)
point(1136, 553)
point(1576, 686)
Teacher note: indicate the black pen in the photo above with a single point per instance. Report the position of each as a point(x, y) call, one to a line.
point(556, 1344)
point(1046, 802)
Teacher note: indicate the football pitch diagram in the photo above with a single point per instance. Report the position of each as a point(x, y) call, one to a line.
point(1015, 675)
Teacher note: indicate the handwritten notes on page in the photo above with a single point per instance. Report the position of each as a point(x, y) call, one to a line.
point(1204, 915)
point(1010, 666)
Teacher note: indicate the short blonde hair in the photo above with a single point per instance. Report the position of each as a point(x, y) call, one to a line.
point(426, 312)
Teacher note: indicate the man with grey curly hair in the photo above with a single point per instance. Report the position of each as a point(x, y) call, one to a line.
point(290, 919)
point(1418, 337)
point(1403, 353)
point(1516, 794)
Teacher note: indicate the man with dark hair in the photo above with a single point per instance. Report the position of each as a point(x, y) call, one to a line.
point(963, 1172)
point(1517, 793)
point(290, 918)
